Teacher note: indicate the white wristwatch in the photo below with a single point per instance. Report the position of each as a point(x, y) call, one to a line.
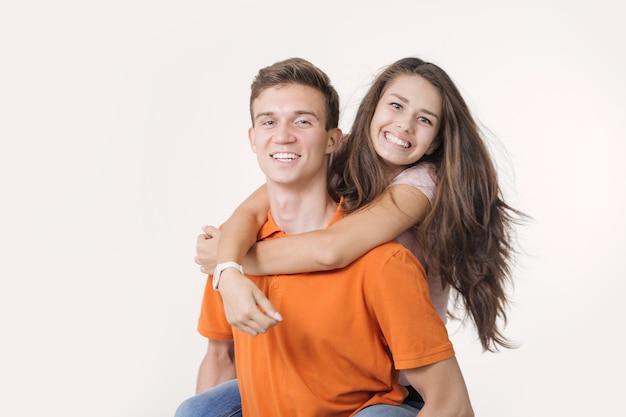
point(218, 271)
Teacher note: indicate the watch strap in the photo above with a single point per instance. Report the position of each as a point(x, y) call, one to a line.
point(221, 267)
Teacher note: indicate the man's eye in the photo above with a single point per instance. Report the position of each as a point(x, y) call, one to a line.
point(302, 122)
point(268, 122)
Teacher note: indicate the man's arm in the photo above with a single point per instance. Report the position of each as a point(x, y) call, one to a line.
point(443, 388)
point(217, 366)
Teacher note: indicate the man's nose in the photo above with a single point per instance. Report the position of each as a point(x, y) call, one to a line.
point(284, 134)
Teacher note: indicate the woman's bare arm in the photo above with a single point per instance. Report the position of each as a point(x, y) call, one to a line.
point(241, 297)
point(240, 231)
point(394, 211)
point(397, 209)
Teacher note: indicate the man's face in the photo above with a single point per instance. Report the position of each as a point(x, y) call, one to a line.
point(289, 135)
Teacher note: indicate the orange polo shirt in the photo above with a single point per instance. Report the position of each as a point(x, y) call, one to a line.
point(343, 335)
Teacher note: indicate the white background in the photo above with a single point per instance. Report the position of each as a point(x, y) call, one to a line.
point(123, 131)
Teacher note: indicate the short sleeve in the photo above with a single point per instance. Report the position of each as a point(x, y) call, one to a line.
point(421, 176)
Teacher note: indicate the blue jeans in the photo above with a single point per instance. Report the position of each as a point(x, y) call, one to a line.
point(220, 401)
point(224, 401)
point(386, 410)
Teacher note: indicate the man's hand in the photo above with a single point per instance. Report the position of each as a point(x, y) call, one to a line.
point(246, 307)
point(206, 249)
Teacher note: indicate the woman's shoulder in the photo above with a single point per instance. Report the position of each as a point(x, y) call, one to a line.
point(421, 168)
point(421, 176)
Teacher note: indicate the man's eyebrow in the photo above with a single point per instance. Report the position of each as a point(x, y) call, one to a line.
point(306, 112)
point(296, 112)
point(263, 114)
point(406, 101)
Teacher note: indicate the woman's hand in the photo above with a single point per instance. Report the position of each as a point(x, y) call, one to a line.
point(206, 249)
point(247, 308)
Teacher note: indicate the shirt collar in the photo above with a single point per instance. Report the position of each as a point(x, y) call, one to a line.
point(270, 230)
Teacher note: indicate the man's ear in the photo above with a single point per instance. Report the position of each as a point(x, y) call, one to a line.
point(334, 139)
point(252, 139)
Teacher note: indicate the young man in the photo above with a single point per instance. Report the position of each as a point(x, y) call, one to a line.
point(343, 336)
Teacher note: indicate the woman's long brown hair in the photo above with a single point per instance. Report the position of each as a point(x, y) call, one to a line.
point(467, 235)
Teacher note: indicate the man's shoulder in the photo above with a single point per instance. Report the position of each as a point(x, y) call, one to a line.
point(391, 245)
point(391, 259)
point(389, 250)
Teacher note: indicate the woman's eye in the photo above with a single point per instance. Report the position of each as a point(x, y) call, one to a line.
point(396, 106)
point(424, 120)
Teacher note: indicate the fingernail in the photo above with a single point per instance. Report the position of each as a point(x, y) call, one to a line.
point(278, 316)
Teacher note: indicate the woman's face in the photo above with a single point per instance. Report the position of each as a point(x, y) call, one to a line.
point(405, 122)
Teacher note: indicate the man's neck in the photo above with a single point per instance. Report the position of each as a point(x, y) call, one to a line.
point(301, 211)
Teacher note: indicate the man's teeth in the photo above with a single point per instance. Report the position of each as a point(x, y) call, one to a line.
point(391, 138)
point(285, 156)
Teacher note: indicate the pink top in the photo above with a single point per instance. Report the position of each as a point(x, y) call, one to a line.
point(422, 176)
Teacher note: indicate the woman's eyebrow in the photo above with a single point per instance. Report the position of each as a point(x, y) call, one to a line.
point(406, 101)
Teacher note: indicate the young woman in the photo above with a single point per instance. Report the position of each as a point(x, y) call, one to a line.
point(413, 167)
